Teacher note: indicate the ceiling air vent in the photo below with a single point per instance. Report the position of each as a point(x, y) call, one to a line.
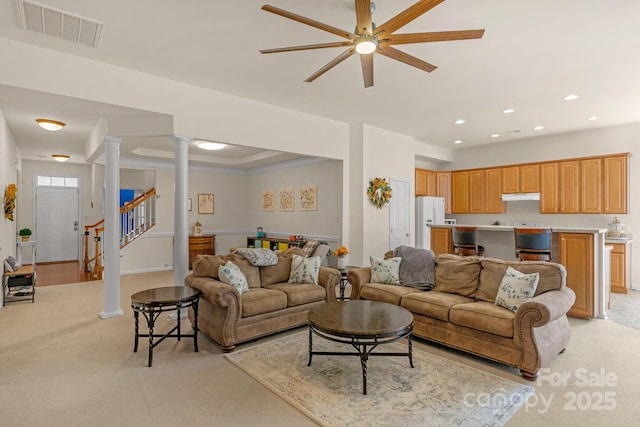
point(59, 24)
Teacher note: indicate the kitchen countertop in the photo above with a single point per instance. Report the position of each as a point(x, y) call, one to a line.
point(510, 228)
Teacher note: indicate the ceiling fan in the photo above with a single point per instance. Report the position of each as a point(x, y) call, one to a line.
point(369, 38)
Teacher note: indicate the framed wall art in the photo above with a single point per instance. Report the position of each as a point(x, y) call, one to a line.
point(308, 198)
point(268, 201)
point(286, 200)
point(205, 203)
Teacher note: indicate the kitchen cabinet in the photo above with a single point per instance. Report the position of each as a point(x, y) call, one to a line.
point(460, 192)
point(569, 187)
point(201, 245)
point(421, 182)
point(620, 267)
point(577, 255)
point(549, 188)
point(492, 194)
point(441, 240)
point(591, 186)
point(615, 177)
point(443, 189)
point(521, 179)
point(476, 191)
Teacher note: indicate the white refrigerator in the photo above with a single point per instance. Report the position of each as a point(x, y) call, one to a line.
point(429, 211)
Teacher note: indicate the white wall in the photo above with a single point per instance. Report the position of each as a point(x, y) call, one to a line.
point(9, 166)
point(603, 141)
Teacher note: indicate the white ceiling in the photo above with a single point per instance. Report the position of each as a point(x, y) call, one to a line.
point(531, 56)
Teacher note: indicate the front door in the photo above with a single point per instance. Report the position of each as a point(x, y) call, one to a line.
point(399, 214)
point(57, 234)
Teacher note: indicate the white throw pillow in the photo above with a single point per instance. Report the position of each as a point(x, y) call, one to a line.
point(230, 274)
point(516, 288)
point(305, 270)
point(385, 271)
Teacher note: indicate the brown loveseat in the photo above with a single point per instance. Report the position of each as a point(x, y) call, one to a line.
point(271, 304)
point(460, 311)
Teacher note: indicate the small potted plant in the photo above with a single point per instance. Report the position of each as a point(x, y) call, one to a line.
point(25, 233)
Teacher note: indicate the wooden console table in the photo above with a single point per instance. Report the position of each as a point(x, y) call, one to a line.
point(201, 245)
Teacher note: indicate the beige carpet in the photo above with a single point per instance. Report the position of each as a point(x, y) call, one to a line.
point(60, 365)
point(436, 392)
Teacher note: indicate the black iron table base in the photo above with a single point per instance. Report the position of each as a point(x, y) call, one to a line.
point(364, 346)
point(151, 308)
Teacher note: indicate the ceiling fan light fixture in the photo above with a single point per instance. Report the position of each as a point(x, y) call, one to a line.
point(51, 125)
point(60, 157)
point(366, 45)
point(206, 145)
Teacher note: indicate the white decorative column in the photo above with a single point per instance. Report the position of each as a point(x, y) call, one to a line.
point(181, 222)
point(111, 235)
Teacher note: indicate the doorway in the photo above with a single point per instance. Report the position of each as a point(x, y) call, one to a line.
point(57, 224)
point(399, 214)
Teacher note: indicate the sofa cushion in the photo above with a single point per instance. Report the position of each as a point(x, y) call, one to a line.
point(385, 293)
point(457, 275)
point(385, 270)
point(300, 293)
point(207, 265)
point(305, 270)
point(261, 300)
point(483, 316)
point(516, 288)
point(552, 276)
point(259, 256)
point(433, 304)
point(231, 275)
point(280, 272)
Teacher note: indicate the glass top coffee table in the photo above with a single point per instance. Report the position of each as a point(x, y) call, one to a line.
point(362, 324)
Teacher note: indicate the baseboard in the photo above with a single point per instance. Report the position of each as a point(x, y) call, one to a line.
point(146, 270)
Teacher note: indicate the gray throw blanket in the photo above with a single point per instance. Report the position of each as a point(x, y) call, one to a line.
point(417, 268)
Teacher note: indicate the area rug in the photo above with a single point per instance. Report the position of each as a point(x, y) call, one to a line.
point(437, 392)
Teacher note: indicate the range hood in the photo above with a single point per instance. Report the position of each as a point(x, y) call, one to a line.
point(520, 196)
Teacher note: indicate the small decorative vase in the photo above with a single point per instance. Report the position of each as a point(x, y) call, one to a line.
point(342, 262)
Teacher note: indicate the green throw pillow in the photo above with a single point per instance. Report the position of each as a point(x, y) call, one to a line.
point(305, 270)
point(230, 274)
point(516, 288)
point(385, 271)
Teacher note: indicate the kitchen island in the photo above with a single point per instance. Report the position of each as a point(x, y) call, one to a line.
point(579, 249)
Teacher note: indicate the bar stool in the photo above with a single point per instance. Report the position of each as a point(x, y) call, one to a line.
point(465, 242)
point(533, 244)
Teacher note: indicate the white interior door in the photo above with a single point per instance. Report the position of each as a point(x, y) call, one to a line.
point(57, 224)
point(399, 214)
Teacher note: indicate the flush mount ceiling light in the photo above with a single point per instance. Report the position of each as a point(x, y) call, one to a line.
point(206, 145)
point(570, 97)
point(459, 122)
point(52, 125)
point(366, 45)
point(457, 141)
point(538, 128)
point(60, 157)
point(508, 111)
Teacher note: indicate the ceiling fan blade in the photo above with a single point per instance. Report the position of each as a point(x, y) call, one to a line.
point(363, 17)
point(331, 64)
point(367, 69)
point(406, 58)
point(440, 36)
point(307, 47)
point(406, 16)
point(308, 21)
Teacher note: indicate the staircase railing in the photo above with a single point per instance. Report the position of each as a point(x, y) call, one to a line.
point(136, 218)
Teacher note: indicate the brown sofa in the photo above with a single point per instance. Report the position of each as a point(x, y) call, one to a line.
point(271, 304)
point(460, 311)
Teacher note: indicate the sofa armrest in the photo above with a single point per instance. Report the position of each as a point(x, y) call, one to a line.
point(358, 277)
point(545, 308)
point(328, 278)
point(215, 291)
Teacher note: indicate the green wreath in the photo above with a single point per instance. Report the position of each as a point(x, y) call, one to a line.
point(379, 192)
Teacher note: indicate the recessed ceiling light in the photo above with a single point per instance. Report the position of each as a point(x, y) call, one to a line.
point(495, 135)
point(592, 118)
point(48, 124)
point(206, 145)
point(60, 157)
point(508, 110)
point(459, 122)
point(457, 141)
point(538, 128)
point(570, 97)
